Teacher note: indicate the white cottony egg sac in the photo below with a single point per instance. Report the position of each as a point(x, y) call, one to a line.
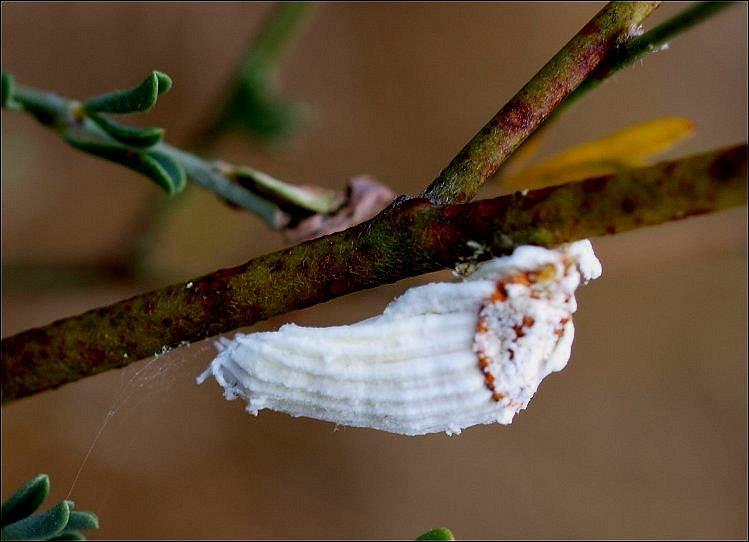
point(440, 358)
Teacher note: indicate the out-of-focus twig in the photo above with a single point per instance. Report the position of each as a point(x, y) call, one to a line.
point(253, 105)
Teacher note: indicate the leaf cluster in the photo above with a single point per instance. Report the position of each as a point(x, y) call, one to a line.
point(128, 145)
point(61, 522)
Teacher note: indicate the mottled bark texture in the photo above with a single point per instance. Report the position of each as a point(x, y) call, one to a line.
point(487, 150)
point(409, 238)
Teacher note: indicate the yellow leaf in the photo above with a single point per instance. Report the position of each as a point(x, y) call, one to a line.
point(622, 150)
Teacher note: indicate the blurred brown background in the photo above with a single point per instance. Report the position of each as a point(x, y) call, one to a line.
point(644, 433)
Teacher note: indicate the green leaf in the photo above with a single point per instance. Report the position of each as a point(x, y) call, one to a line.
point(39, 527)
point(441, 533)
point(165, 82)
point(162, 169)
point(140, 98)
point(310, 198)
point(69, 535)
point(8, 87)
point(175, 172)
point(81, 521)
point(24, 501)
point(130, 135)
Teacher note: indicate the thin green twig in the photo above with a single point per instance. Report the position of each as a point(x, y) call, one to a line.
point(260, 66)
point(264, 55)
point(59, 114)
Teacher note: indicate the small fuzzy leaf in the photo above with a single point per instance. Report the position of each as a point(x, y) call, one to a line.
point(441, 533)
point(81, 521)
point(130, 135)
point(140, 98)
point(39, 527)
point(69, 535)
point(164, 82)
point(622, 150)
point(175, 172)
point(288, 196)
point(24, 501)
point(163, 170)
point(8, 87)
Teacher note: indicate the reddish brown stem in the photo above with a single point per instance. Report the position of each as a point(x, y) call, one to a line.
point(488, 149)
point(409, 238)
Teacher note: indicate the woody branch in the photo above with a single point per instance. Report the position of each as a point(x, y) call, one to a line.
point(411, 237)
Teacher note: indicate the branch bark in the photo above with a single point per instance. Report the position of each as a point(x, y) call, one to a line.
point(409, 238)
point(488, 149)
point(637, 48)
